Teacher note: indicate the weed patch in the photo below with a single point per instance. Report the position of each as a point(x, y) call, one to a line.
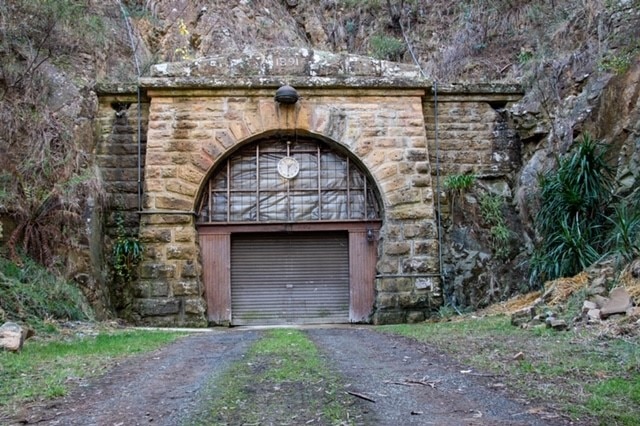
point(281, 381)
point(29, 293)
point(554, 366)
point(45, 370)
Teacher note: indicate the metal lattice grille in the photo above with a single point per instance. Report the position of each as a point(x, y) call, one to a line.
point(328, 186)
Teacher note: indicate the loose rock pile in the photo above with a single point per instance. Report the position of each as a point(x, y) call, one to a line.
point(619, 304)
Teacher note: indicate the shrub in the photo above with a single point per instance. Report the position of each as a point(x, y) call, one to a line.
point(385, 47)
point(572, 216)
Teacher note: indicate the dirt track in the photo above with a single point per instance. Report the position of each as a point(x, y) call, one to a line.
point(410, 383)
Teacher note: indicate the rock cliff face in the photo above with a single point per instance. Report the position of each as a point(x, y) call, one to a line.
point(576, 59)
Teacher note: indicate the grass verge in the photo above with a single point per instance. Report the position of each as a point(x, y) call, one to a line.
point(48, 369)
point(581, 374)
point(282, 380)
point(29, 293)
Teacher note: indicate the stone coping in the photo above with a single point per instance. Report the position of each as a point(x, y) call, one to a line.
point(508, 90)
point(301, 68)
point(286, 61)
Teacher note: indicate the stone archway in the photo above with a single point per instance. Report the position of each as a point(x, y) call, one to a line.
point(289, 245)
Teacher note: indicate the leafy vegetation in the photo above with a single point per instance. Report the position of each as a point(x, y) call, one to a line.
point(46, 369)
point(491, 206)
point(126, 253)
point(553, 367)
point(286, 361)
point(386, 47)
point(572, 216)
point(624, 236)
point(459, 182)
point(30, 293)
point(44, 178)
point(456, 185)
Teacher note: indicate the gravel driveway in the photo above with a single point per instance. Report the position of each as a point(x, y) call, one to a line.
point(397, 381)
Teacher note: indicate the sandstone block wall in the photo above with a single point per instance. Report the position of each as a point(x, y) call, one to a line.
point(117, 153)
point(382, 113)
point(191, 131)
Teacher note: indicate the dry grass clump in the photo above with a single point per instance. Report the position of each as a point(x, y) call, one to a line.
point(512, 305)
point(558, 291)
point(630, 279)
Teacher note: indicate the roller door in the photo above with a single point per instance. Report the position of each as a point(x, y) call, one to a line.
point(297, 278)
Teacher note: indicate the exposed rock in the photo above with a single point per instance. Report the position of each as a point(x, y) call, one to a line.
point(522, 316)
point(634, 312)
point(600, 301)
point(588, 306)
point(597, 290)
point(558, 324)
point(12, 336)
point(619, 302)
point(593, 315)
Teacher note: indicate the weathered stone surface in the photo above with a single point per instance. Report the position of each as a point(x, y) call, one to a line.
point(382, 317)
point(278, 62)
point(195, 306)
point(600, 301)
point(152, 288)
point(523, 316)
point(425, 283)
point(593, 314)
point(12, 336)
point(157, 307)
point(558, 324)
point(387, 300)
point(415, 317)
point(186, 288)
point(618, 303)
point(202, 110)
point(588, 305)
point(393, 285)
point(150, 270)
point(189, 269)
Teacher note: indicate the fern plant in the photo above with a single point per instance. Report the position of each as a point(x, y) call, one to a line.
point(125, 254)
point(41, 217)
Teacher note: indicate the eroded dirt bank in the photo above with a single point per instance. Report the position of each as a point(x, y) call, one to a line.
point(409, 382)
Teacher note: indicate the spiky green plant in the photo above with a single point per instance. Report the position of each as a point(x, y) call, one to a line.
point(624, 235)
point(572, 216)
point(491, 206)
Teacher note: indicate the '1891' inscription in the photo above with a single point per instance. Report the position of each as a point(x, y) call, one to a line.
point(286, 62)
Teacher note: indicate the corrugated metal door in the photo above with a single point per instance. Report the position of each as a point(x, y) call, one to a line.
point(300, 278)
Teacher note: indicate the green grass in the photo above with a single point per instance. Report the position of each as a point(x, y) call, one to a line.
point(29, 293)
point(580, 373)
point(283, 379)
point(44, 370)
